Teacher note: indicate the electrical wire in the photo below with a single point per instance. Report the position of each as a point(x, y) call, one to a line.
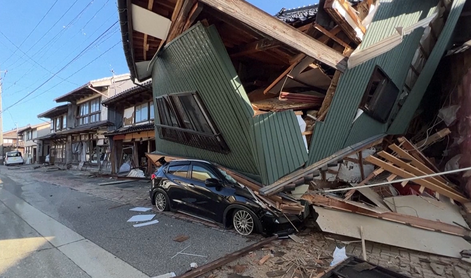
point(36, 26)
point(60, 70)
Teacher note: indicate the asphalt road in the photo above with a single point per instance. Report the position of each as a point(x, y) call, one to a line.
point(150, 249)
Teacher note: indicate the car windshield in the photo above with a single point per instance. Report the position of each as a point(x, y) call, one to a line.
point(227, 176)
point(14, 154)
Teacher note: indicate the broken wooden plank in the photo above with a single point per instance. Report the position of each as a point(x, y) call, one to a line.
point(386, 232)
point(345, 16)
point(280, 184)
point(404, 174)
point(407, 145)
point(414, 161)
point(375, 173)
point(330, 35)
point(274, 28)
point(197, 272)
point(403, 219)
point(330, 93)
point(415, 171)
point(254, 47)
point(430, 140)
point(296, 60)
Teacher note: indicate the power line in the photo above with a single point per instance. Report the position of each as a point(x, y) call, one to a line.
point(93, 60)
point(36, 26)
point(70, 62)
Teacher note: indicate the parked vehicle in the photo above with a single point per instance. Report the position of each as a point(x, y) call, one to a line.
point(13, 157)
point(201, 189)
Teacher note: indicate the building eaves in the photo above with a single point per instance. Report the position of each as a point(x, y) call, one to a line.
point(131, 129)
point(85, 128)
point(144, 87)
point(56, 111)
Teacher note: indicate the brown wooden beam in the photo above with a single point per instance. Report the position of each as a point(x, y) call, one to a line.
point(404, 174)
point(408, 220)
point(257, 46)
point(330, 35)
point(274, 28)
point(197, 272)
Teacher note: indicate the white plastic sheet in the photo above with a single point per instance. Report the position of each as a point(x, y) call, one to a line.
point(339, 256)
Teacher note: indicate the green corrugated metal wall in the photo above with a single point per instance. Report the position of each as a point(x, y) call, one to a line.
point(278, 143)
point(338, 130)
point(198, 60)
point(402, 120)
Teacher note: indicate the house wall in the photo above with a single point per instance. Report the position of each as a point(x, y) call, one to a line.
point(339, 128)
point(268, 146)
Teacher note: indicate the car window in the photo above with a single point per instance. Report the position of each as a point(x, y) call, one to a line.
point(201, 174)
point(178, 170)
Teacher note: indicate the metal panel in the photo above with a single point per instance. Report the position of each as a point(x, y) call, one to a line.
point(338, 129)
point(412, 102)
point(269, 145)
point(278, 145)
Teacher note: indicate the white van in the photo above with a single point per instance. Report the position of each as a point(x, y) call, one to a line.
point(13, 157)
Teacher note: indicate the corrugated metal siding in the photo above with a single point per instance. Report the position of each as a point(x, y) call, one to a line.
point(363, 128)
point(337, 130)
point(194, 62)
point(278, 144)
point(400, 124)
point(268, 145)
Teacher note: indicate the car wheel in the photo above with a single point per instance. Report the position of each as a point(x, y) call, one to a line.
point(161, 200)
point(244, 222)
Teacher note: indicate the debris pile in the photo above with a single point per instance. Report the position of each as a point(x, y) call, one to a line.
point(402, 200)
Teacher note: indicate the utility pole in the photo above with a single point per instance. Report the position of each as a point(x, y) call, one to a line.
point(1, 121)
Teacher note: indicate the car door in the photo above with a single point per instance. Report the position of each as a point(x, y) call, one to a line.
point(176, 183)
point(204, 201)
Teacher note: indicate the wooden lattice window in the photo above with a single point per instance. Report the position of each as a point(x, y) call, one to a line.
point(184, 119)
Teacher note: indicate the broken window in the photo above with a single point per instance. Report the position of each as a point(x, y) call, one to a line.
point(380, 96)
point(185, 120)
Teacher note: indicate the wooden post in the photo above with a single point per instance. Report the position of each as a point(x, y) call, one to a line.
point(135, 156)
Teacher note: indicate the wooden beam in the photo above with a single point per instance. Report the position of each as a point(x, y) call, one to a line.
point(408, 220)
point(274, 28)
point(413, 170)
point(330, 35)
point(257, 46)
point(416, 153)
point(179, 17)
point(414, 161)
point(433, 138)
point(194, 13)
point(285, 73)
point(145, 46)
point(330, 92)
point(404, 174)
point(197, 272)
point(373, 174)
point(345, 16)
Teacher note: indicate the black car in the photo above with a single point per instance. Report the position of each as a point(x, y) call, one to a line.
point(202, 189)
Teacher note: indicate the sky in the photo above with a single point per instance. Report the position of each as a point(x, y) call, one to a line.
point(50, 47)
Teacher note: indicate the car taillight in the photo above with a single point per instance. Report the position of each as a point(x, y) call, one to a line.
point(152, 176)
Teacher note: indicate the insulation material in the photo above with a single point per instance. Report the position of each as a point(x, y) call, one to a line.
point(448, 114)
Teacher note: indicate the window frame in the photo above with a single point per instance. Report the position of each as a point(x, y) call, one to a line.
point(150, 112)
point(214, 175)
point(90, 117)
point(172, 127)
point(378, 94)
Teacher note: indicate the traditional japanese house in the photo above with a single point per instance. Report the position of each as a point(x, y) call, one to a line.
point(268, 95)
point(132, 112)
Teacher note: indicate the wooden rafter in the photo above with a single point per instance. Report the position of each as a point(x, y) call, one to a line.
point(272, 27)
point(345, 16)
point(330, 35)
point(257, 46)
point(404, 174)
point(145, 46)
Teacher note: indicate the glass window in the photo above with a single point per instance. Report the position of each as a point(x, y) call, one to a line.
point(178, 170)
point(142, 113)
point(84, 109)
point(201, 173)
point(151, 110)
point(64, 122)
point(95, 105)
point(58, 124)
point(183, 118)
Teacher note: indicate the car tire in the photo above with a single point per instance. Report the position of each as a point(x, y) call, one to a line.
point(161, 200)
point(245, 222)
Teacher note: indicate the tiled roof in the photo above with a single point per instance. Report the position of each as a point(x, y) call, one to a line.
point(124, 94)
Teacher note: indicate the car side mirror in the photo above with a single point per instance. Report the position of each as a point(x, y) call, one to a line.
point(212, 183)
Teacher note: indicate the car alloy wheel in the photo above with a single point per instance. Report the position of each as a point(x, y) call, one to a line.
point(160, 201)
point(243, 222)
